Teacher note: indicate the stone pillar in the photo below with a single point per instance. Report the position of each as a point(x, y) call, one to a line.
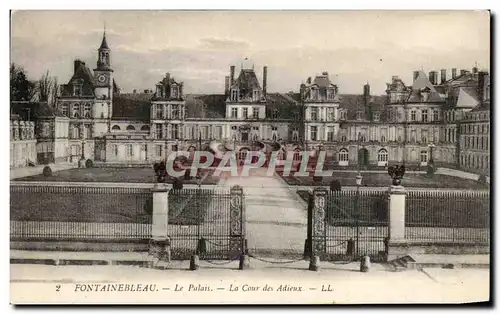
point(397, 205)
point(160, 242)
point(237, 221)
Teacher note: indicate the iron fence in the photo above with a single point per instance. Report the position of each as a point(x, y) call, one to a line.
point(356, 224)
point(80, 212)
point(448, 216)
point(200, 223)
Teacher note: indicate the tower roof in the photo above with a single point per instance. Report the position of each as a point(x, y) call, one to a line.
point(104, 43)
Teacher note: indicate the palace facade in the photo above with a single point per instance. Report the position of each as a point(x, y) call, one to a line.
point(443, 120)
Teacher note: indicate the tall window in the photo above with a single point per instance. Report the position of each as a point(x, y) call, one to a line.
point(158, 149)
point(76, 110)
point(423, 156)
point(175, 112)
point(115, 149)
point(234, 112)
point(424, 136)
point(86, 131)
point(314, 114)
point(330, 134)
point(87, 111)
point(435, 116)
point(295, 136)
point(245, 113)
point(413, 115)
point(296, 155)
point(413, 136)
point(343, 155)
point(218, 132)
point(159, 111)
point(77, 90)
point(383, 156)
point(175, 92)
point(175, 131)
point(343, 138)
point(329, 94)
point(255, 112)
point(343, 115)
point(234, 95)
point(65, 110)
point(159, 131)
point(75, 131)
point(130, 150)
point(424, 115)
point(314, 133)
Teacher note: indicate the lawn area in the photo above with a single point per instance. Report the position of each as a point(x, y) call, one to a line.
point(121, 175)
point(383, 180)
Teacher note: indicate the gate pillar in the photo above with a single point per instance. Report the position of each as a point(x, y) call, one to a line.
point(160, 242)
point(237, 225)
point(397, 245)
point(318, 232)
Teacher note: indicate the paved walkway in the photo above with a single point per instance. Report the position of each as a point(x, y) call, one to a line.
point(32, 171)
point(276, 218)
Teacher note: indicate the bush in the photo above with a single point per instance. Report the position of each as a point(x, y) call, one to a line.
point(47, 172)
point(317, 179)
point(89, 163)
point(177, 184)
point(482, 179)
point(335, 185)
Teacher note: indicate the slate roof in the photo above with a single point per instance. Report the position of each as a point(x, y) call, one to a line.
point(33, 110)
point(285, 105)
point(467, 98)
point(131, 107)
point(104, 43)
point(82, 75)
point(246, 83)
point(356, 102)
point(422, 84)
point(205, 106)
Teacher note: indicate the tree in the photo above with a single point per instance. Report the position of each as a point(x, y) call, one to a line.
point(48, 88)
point(21, 89)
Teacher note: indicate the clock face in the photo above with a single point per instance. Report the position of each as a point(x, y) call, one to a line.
point(101, 78)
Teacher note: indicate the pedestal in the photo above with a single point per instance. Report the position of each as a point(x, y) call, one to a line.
point(160, 242)
point(397, 207)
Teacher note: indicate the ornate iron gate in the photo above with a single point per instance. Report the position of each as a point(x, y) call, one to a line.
point(346, 225)
point(207, 222)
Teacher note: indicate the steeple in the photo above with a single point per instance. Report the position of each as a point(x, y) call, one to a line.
point(104, 44)
point(104, 54)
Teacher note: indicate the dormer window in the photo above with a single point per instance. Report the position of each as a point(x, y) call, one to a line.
point(77, 90)
point(376, 116)
point(274, 114)
point(343, 115)
point(359, 115)
point(175, 92)
point(256, 95)
point(315, 94)
point(234, 95)
point(329, 94)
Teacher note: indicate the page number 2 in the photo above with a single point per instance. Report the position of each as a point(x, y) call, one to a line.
point(58, 288)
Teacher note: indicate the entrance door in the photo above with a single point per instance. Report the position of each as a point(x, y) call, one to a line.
point(244, 136)
point(363, 157)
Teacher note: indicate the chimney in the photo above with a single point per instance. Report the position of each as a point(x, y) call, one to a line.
point(231, 79)
point(474, 70)
point(77, 64)
point(453, 73)
point(462, 72)
point(415, 75)
point(226, 85)
point(135, 91)
point(433, 75)
point(480, 87)
point(264, 81)
point(443, 76)
point(167, 77)
point(366, 94)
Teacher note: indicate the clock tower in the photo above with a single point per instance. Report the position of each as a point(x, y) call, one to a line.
point(103, 78)
point(103, 89)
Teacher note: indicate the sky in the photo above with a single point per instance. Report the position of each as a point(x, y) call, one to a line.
point(198, 47)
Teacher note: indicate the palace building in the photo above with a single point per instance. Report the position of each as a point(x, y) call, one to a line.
point(444, 122)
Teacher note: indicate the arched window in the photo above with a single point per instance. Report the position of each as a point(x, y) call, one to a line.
point(343, 157)
point(255, 137)
point(423, 158)
point(76, 110)
point(383, 157)
point(115, 128)
point(296, 155)
point(130, 128)
point(295, 137)
point(145, 128)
